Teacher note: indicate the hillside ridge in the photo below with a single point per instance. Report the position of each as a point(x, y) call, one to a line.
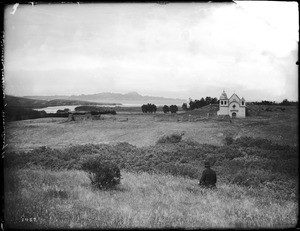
point(14, 101)
point(132, 97)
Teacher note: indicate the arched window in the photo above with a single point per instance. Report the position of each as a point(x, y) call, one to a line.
point(221, 102)
point(243, 103)
point(224, 102)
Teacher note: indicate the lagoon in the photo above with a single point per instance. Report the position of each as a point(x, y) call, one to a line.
point(54, 109)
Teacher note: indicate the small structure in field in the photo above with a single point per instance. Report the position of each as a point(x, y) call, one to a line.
point(233, 106)
point(82, 115)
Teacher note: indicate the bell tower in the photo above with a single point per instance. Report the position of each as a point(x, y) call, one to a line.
point(223, 104)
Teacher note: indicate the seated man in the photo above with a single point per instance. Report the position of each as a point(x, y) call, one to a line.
point(209, 177)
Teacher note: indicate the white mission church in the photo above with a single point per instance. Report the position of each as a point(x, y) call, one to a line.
point(234, 106)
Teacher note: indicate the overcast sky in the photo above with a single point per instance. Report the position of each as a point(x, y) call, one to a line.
point(178, 50)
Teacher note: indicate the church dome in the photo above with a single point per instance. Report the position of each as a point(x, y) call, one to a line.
point(223, 96)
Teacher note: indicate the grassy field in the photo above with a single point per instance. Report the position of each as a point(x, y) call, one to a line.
point(65, 199)
point(256, 160)
point(142, 130)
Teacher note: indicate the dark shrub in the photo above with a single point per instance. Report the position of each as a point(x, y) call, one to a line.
point(173, 138)
point(228, 140)
point(228, 152)
point(250, 177)
point(246, 141)
point(211, 158)
point(244, 178)
point(103, 174)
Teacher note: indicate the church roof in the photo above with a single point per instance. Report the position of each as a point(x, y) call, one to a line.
point(234, 95)
point(223, 96)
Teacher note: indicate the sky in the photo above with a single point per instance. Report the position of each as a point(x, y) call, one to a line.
point(177, 50)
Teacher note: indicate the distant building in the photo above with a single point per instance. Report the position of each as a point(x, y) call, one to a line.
point(234, 106)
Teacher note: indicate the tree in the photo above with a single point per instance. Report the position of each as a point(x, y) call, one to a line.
point(285, 102)
point(149, 108)
point(166, 109)
point(208, 100)
point(144, 108)
point(192, 105)
point(214, 100)
point(202, 102)
point(173, 108)
point(184, 107)
point(154, 108)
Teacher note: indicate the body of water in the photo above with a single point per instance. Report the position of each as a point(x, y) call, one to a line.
point(55, 108)
point(72, 107)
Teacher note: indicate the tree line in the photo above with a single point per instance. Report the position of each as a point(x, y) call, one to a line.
point(152, 108)
point(149, 108)
point(172, 109)
point(14, 113)
point(193, 104)
point(284, 102)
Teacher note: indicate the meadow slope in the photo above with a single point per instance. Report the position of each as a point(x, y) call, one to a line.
point(256, 160)
point(257, 186)
point(65, 199)
point(142, 130)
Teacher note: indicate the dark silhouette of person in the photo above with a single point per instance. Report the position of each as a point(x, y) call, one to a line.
point(209, 177)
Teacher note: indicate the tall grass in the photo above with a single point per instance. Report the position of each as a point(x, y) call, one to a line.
point(184, 158)
point(66, 199)
point(257, 186)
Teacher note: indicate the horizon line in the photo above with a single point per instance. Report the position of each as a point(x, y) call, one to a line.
point(249, 101)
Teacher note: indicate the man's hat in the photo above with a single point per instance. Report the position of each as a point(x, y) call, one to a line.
point(206, 164)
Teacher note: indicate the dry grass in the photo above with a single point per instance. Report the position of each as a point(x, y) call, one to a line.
point(39, 198)
point(142, 130)
point(65, 199)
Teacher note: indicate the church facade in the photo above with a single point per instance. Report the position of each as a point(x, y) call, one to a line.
point(233, 106)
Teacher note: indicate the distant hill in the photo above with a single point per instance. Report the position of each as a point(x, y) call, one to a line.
point(13, 101)
point(107, 97)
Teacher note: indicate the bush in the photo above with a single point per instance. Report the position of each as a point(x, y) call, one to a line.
point(247, 177)
point(95, 110)
point(166, 109)
point(173, 108)
point(171, 155)
point(173, 138)
point(103, 174)
point(228, 140)
point(232, 153)
point(246, 141)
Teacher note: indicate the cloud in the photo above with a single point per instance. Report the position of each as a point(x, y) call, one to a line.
point(185, 49)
